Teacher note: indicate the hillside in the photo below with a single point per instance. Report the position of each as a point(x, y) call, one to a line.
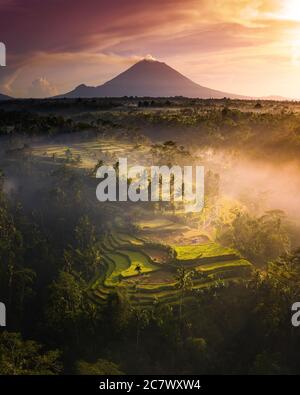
point(4, 97)
point(149, 78)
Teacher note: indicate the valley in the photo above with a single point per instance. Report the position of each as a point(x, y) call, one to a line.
point(118, 275)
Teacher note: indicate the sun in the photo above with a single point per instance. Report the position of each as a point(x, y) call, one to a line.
point(291, 10)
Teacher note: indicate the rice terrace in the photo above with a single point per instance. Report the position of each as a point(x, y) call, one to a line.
point(149, 193)
point(114, 274)
point(143, 262)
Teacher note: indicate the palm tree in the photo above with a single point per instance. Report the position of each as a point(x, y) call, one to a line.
point(184, 282)
point(96, 167)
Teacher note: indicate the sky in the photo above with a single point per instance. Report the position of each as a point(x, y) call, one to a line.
point(238, 46)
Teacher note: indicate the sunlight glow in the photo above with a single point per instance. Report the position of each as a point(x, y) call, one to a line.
point(295, 47)
point(291, 10)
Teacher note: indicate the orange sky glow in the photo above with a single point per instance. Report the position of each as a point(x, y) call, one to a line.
point(239, 46)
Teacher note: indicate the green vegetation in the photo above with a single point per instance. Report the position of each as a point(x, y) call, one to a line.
point(123, 237)
point(138, 258)
point(121, 264)
point(258, 239)
point(191, 252)
point(94, 288)
point(155, 223)
point(223, 265)
point(146, 281)
point(19, 357)
point(100, 368)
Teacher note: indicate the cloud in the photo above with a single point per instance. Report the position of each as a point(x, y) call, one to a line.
point(40, 88)
point(72, 41)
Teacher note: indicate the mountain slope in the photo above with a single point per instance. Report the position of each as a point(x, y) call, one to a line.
point(4, 97)
point(149, 78)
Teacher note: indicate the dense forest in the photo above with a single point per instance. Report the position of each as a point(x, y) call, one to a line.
point(215, 303)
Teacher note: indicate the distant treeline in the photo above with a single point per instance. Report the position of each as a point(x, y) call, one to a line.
point(28, 123)
point(263, 128)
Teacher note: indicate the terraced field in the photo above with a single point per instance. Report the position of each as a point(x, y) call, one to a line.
point(160, 225)
point(86, 154)
point(147, 270)
point(144, 265)
point(190, 253)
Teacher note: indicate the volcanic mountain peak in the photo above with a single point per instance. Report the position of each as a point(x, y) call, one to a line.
point(82, 86)
point(4, 97)
point(149, 78)
point(150, 58)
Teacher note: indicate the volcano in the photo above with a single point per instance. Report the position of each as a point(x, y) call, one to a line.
point(149, 78)
point(4, 97)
